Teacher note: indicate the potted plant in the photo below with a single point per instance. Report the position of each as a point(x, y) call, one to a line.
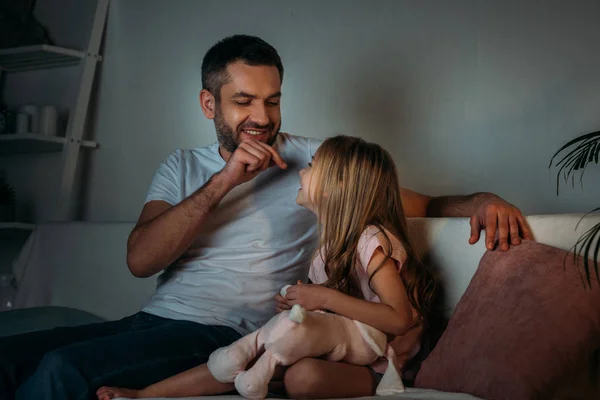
point(576, 156)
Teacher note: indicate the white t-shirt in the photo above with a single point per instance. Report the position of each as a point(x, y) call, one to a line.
point(255, 242)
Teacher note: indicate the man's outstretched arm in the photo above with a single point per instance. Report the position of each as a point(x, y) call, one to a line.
point(486, 210)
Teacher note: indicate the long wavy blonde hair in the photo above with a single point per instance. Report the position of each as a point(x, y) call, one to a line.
point(357, 186)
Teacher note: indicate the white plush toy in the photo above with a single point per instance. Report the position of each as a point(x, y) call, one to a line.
point(296, 334)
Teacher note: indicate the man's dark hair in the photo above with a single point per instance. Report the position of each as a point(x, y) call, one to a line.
point(251, 50)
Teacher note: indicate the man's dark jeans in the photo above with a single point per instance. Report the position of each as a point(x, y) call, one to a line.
point(72, 363)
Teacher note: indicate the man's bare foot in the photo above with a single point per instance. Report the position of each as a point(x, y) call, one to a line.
point(107, 393)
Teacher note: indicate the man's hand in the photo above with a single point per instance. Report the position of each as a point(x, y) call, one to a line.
point(281, 303)
point(499, 217)
point(248, 160)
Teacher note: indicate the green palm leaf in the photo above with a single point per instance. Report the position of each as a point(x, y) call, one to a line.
point(580, 152)
point(583, 250)
point(576, 155)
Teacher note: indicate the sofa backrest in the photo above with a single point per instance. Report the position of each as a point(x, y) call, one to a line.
point(80, 265)
point(83, 264)
point(443, 244)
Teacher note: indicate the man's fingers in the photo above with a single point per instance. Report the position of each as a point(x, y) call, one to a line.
point(266, 150)
point(281, 308)
point(491, 224)
point(525, 228)
point(250, 160)
point(503, 231)
point(262, 157)
point(264, 154)
point(274, 155)
point(514, 230)
point(281, 304)
point(279, 298)
point(475, 229)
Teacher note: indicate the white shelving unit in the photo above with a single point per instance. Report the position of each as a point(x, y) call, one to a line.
point(27, 143)
point(38, 57)
point(43, 56)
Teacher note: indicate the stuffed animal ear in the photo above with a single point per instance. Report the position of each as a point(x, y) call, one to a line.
point(297, 314)
point(391, 382)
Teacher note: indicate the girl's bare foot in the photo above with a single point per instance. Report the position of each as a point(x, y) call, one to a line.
point(107, 393)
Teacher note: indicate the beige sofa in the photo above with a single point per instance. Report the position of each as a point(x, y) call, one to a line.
point(82, 266)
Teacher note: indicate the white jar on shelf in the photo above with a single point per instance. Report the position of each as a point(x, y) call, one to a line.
point(7, 292)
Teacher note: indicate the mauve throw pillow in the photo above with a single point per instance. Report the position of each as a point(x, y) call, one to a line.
point(522, 327)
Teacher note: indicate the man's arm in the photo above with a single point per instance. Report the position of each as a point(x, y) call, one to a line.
point(164, 232)
point(486, 210)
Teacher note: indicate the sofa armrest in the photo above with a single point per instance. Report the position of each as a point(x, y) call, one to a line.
point(41, 318)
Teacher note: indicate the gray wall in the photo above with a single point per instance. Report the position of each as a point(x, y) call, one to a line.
point(466, 95)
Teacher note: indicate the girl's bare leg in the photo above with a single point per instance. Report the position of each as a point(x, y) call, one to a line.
point(197, 381)
point(312, 378)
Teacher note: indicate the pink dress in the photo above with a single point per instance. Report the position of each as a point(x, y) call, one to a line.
point(405, 346)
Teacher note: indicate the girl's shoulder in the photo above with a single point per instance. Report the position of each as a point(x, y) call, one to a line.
point(316, 272)
point(374, 237)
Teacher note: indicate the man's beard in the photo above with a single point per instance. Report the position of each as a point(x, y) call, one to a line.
point(229, 139)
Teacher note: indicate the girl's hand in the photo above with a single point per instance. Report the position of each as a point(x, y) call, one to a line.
point(312, 297)
point(281, 304)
